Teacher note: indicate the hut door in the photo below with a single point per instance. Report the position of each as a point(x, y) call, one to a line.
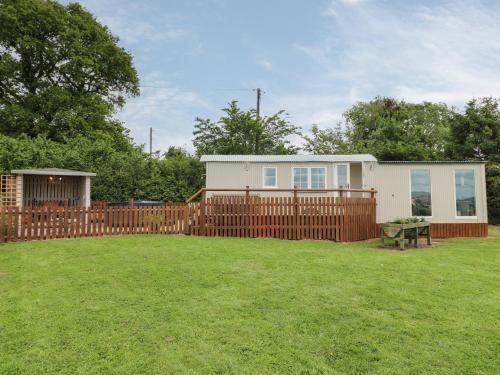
point(343, 176)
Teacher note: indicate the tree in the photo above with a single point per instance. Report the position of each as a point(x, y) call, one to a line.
point(121, 174)
point(327, 141)
point(62, 74)
point(395, 130)
point(475, 135)
point(389, 129)
point(240, 132)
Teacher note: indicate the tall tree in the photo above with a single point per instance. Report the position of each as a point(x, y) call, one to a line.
point(475, 135)
point(243, 132)
point(62, 73)
point(396, 130)
point(389, 129)
point(327, 141)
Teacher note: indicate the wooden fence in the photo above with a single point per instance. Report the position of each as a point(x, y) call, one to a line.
point(325, 218)
point(65, 222)
point(320, 218)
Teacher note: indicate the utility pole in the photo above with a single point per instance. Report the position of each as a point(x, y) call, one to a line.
point(258, 102)
point(150, 142)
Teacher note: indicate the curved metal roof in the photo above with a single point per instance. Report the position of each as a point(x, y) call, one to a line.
point(286, 158)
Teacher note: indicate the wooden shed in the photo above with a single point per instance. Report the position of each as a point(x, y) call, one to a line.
point(46, 187)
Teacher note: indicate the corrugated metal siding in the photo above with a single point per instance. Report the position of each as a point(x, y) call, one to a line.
point(393, 184)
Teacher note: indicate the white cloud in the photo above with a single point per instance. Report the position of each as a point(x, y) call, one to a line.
point(333, 8)
point(140, 31)
point(265, 64)
point(444, 53)
point(352, 2)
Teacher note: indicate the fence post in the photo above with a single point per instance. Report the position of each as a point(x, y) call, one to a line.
point(247, 211)
point(372, 193)
point(295, 214)
point(186, 219)
point(202, 214)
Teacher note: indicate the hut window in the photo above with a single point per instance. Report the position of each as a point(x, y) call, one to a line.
point(465, 193)
point(421, 197)
point(300, 178)
point(318, 178)
point(270, 180)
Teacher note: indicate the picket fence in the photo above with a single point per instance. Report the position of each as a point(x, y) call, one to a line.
point(342, 219)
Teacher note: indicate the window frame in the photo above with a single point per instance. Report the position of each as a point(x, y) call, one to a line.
point(455, 193)
point(309, 176)
point(430, 184)
point(275, 186)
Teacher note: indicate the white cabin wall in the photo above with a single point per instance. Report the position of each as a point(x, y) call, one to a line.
point(393, 184)
point(238, 175)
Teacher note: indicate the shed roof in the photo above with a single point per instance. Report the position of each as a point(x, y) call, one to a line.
point(53, 172)
point(286, 158)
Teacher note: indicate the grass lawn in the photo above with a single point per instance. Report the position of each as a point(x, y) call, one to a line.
point(173, 304)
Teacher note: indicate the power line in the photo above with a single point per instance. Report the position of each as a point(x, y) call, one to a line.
point(194, 88)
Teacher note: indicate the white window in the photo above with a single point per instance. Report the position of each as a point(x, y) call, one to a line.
point(300, 178)
point(309, 178)
point(318, 178)
point(421, 197)
point(269, 177)
point(343, 176)
point(465, 193)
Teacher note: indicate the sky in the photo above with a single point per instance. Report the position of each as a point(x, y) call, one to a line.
point(313, 59)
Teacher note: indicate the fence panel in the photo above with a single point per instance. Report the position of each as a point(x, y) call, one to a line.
point(323, 218)
point(43, 223)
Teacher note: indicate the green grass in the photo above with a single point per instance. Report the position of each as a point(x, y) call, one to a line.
point(160, 304)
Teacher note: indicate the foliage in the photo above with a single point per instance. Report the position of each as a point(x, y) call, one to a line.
point(326, 141)
point(396, 130)
point(121, 173)
point(175, 177)
point(408, 220)
point(388, 129)
point(192, 305)
point(240, 132)
point(475, 135)
point(62, 74)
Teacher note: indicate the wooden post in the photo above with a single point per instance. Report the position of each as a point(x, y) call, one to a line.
point(416, 236)
point(186, 219)
point(295, 230)
point(372, 193)
point(402, 240)
point(382, 235)
point(203, 223)
point(429, 235)
point(247, 211)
